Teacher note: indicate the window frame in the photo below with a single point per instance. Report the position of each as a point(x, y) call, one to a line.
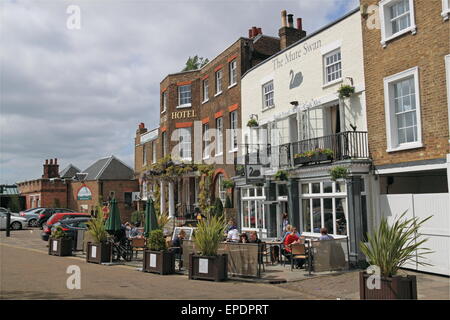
point(245, 197)
point(184, 105)
point(385, 6)
point(219, 137)
point(325, 66)
point(183, 143)
point(389, 108)
point(206, 141)
point(205, 92)
point(445, 9)
point(164, 101)
point(233, 131)
point(264, 94)
point(232, 73)
point(216, 81)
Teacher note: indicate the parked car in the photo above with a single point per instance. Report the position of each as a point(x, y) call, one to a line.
point(47, 228)
point(46, 213)
point(32, 216)
point(16, 223)
point(71, 226)
point(5, 210)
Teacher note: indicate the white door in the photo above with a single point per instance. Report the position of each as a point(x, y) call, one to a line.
point(437, 229)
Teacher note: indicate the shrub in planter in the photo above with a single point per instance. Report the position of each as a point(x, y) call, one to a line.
point(157, 258)
point(207, 264)
point(346, 91)
point(100, 250)
point(387, 250)
point(338, 172)
point(281, 175)
point(252, 123)
point(59, 243)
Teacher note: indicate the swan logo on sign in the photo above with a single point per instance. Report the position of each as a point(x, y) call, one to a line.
point(84, 194)
point(296, 79)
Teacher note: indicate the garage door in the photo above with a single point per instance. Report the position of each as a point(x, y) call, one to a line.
point(437, 229)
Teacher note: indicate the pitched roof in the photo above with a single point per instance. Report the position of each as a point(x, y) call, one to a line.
point(69, 172)
point(109, 168)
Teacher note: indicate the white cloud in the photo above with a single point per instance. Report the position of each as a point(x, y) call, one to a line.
point(78, 95)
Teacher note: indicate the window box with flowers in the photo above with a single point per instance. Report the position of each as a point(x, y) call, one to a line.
point(317, 155)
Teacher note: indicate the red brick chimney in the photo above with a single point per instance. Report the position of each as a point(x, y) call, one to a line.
point(51, 169)
point(288, 34)
point(253, 32)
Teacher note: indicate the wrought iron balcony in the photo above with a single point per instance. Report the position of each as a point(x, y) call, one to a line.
point(343, 145)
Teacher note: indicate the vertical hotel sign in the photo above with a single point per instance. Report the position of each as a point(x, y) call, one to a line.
point(84, 193)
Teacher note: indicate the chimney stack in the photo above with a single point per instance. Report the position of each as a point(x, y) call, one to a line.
point(288, 33)
point(253, 32)
point(51, 169)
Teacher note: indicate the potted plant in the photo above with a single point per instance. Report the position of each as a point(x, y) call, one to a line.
point(157, 258)
point(322, 155)
point(100, 250)
point(240, 170)
point(303, 158)
point(338, 172)
point(345, 91)
point(252, 123)
point(206, 264)
point(387, 250)
point(281, 175)
point(60, 244)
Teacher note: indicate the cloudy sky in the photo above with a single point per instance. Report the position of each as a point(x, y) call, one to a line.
point(79, 94)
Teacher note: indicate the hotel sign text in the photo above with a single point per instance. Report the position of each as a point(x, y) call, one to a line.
point(183, 114)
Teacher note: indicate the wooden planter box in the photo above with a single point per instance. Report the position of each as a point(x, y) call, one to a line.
point(60, 246)
point(98, 252)
point(393, 288)
point(301, 160)
point(162, 262)
point(321, 157)
point(208, 268)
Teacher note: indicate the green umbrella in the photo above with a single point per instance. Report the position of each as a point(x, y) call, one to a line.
point(113, 222)
point(150, 218)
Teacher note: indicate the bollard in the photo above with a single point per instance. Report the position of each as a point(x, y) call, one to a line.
point(8, 223)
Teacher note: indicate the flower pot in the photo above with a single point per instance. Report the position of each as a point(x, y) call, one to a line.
point(391, 288)
point(301, 160)
point(162, 262)
point(60, 246)
point(99, 252)
point(208, 267)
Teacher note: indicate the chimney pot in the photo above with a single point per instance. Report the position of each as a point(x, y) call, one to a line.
point(250, 33)
point(141, 125)
point(254, 32)
point(259, 31)
point(283, 18)
point(51, 161)
point(291, 20)
point(56, 160)
point(46, 161)
point(299, 24)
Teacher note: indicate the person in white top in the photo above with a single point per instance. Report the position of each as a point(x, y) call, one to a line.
point(233, 235)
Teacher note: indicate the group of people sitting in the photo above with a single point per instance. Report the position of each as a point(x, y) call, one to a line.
point(232, 235)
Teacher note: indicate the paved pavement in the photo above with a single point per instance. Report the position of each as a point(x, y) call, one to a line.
point(28, 272)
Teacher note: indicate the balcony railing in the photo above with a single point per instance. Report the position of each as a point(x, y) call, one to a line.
point(345, 145)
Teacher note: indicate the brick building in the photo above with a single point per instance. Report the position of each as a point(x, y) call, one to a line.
point(82, 190)
point(199, 117)
point(407, 67)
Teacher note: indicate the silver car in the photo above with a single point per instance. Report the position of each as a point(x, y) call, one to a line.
point(32, 216)
point(16, 223)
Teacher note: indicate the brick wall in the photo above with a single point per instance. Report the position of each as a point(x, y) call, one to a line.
point(426, 50)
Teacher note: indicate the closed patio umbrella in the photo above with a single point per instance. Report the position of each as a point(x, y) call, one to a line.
point(150, 218)
point(113, 222)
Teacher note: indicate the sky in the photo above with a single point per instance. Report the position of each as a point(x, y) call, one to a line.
point(78, 94)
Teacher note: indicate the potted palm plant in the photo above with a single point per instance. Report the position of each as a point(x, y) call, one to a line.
point(100, 250)
point(60, 244)
point(387, 250)
point(206, 264)
point(157, 258)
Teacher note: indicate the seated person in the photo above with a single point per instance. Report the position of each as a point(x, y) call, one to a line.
point(254, 237)
point(325, 235)
point(243, 238)
point(233, 235)
point(290, 239)
point(133, 231)
point(177, 243)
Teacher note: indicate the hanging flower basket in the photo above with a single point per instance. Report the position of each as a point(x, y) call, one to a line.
point(252, 123)
point(345, 91)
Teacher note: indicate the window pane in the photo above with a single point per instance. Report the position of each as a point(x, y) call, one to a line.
point(341, 217)
point(259, 192)
point(305, 188)
point(245, 213)
point(315, 187)
point(252, 214)
point(328, 214)
point(317, 215)
point(252, 192)
point(327, 187)
point(306, 212)
point(340, 186)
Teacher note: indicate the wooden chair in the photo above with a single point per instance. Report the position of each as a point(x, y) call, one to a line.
point(137, 244)
point(298, 251)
